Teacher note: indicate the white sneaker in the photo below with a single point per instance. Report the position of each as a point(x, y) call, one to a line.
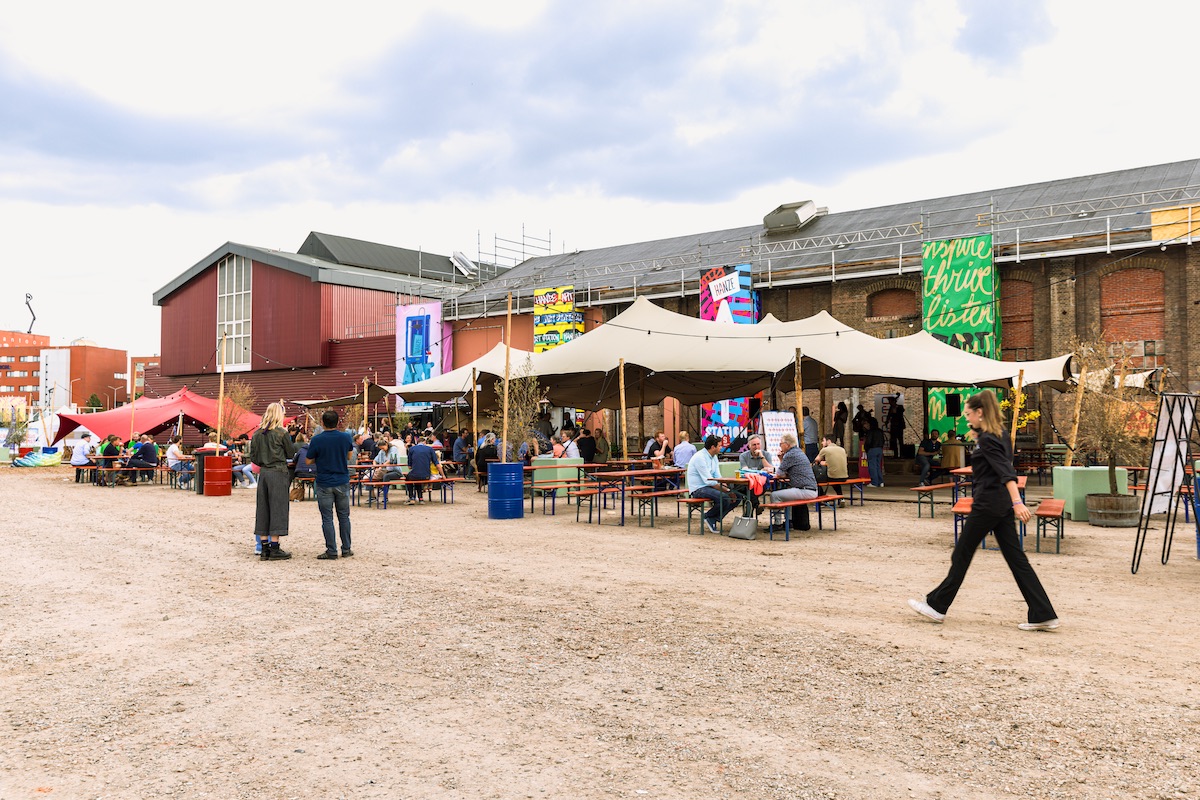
point(1047, 625)
point(925, 610)
point(709, 525)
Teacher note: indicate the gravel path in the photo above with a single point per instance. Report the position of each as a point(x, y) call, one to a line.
point(145, 653)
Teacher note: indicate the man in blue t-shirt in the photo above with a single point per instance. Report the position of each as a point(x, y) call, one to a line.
point(330, 451)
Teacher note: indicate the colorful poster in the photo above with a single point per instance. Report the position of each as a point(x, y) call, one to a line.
point(726, 296)
point(418, 345)
point(960, 293)
point(555, 320)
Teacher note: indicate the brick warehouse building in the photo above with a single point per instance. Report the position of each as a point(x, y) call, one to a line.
point(1107, 253)
point(299, 325)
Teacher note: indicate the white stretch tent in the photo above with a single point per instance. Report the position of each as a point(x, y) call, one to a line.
point(698, 361)
point(671, 355)
point(456, 383)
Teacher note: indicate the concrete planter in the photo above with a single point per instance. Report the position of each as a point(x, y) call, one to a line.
point(1114, 510)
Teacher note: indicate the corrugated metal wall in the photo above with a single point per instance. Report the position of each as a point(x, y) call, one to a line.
point(286, 322)
point(373, 358)
point(350, 312)
point(189, 326)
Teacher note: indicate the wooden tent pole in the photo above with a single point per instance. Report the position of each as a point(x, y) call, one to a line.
point(1016, 409)
point(221, 390)
point(507, 357)
point(474, 404)
point(824, 424)
point(621, 381)
point(1075, 425)
point(366, 421)
point(799, 395)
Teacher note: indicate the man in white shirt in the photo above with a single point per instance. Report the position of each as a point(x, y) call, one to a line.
point(81, 456)
point(570, 449)
point(703, 480)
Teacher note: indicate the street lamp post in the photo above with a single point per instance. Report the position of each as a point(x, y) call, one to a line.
point(71, 392)
point(114, 395)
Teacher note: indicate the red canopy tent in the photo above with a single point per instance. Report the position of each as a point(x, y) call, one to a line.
point(148, 415)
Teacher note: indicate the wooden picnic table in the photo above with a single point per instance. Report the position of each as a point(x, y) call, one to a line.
point(620, 479)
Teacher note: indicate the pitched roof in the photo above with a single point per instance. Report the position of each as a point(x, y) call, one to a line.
point(415, 283)
point(1087, 212)
point(384, 257)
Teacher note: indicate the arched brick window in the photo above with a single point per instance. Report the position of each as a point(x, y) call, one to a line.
point(893, 303)
point(1133, 311)
point(1016, 320)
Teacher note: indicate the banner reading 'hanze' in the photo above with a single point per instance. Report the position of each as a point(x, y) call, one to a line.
point(959, 292)
point(726, 296)
point(555, 320)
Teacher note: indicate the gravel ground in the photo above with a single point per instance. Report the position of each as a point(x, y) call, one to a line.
point(145, 653)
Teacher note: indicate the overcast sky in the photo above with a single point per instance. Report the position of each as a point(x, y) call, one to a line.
point(136, 138)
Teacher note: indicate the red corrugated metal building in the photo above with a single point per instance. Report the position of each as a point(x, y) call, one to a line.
point(296, 326)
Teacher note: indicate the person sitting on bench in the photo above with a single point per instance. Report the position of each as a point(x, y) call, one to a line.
point(929, 447)
point(794, 467)
point(704, 481)
point(833, 456)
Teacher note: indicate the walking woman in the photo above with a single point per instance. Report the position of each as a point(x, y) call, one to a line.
point(996, 507)
point(270, 449)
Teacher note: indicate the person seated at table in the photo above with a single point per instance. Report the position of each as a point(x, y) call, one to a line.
point(486, 452)
point(926, 451)
point(704, 480)
point(421, 460)
point(81, 455)
point(368, 446)
point(300, 468)
point(569, 448)
point(177, 463)
point(109, 456)
point(243, 471)
point(587, 446)
point(387, 460)
point(758, 460)
point(796, 469)
point(654, 446)
point(529, 449)
point(463, 451)
point(144, 457)
point(833, 456)
point(683, 452)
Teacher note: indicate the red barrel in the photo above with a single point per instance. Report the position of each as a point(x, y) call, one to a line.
point(218, 476)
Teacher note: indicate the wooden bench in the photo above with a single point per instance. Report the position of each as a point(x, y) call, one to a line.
point(925, 493)
point(853, 484)
point(962, 508)
point(693, 505)
point(549, 490)
point(783, 505)
point(1049, 514)
point(590, 495)
point(648, 498)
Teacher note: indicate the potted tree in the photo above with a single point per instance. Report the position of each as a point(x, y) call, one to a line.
point(1104, 425)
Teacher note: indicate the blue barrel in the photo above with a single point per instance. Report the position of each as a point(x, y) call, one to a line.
point(506, 490)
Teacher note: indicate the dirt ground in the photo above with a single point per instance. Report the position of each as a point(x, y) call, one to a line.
point(145, 652)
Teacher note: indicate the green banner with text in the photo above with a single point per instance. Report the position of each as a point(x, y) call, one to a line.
point(959, 292)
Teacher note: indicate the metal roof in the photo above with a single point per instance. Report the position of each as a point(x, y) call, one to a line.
point(1093, 212)
point(383, 257)
point(320, 271)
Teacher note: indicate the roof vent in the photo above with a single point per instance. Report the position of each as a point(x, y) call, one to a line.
point(463, 264)
point(791, 217)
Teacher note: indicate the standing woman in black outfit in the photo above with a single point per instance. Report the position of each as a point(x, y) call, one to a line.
point(996, 507)
point(271, 449)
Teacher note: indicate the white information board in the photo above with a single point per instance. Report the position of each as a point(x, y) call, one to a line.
point(775, 424)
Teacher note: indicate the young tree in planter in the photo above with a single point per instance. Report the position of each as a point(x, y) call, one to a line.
point(524, 398)
point(1106, 410)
